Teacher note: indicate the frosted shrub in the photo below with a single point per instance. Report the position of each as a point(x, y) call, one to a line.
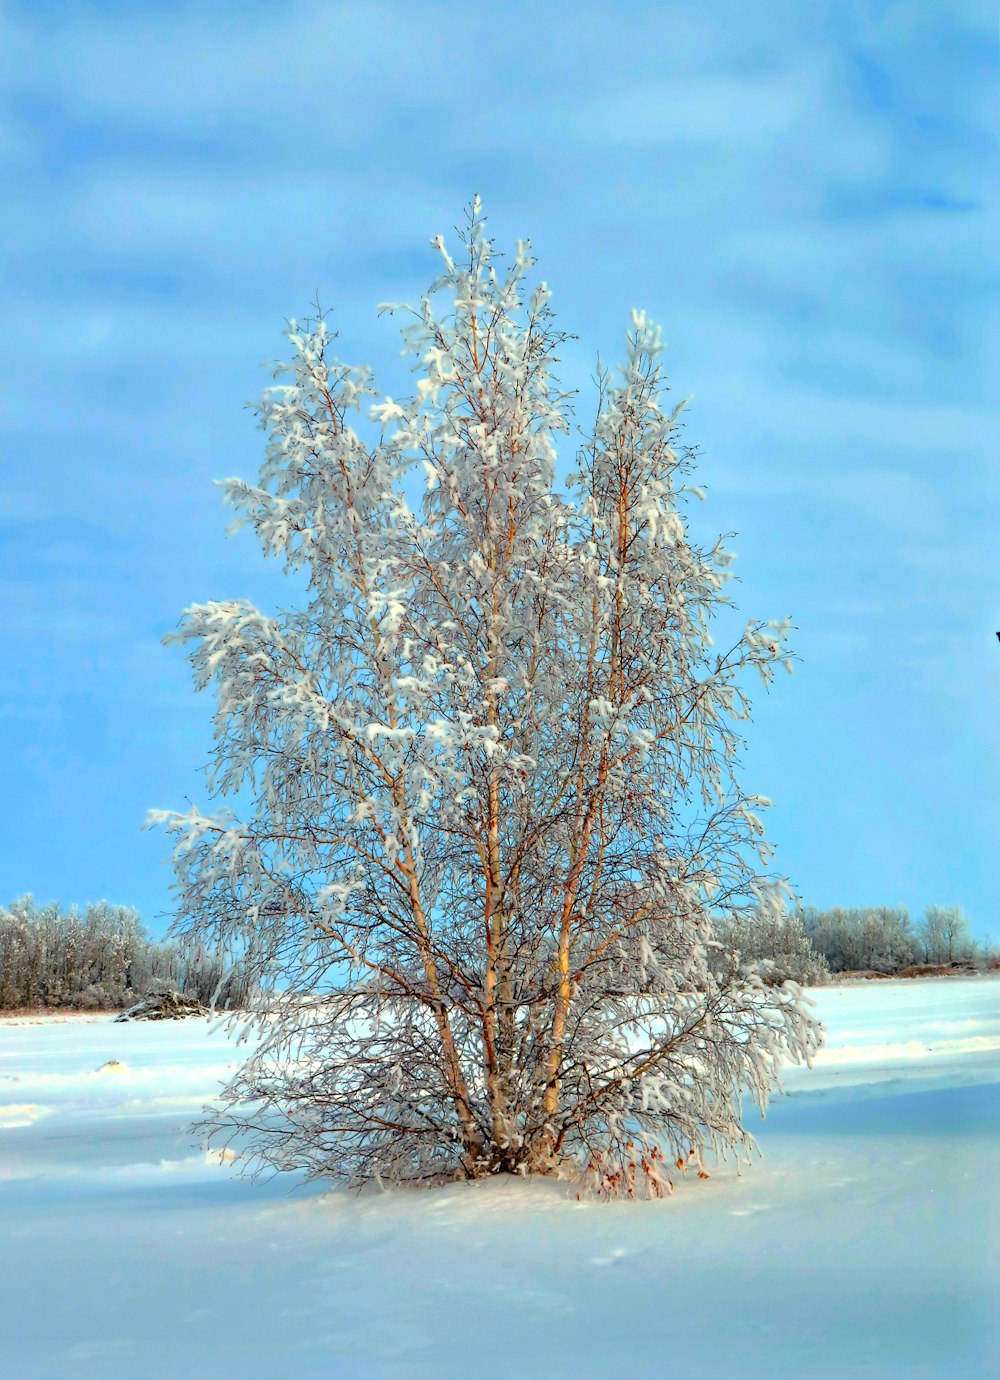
point(485, 772)
point(778, 946)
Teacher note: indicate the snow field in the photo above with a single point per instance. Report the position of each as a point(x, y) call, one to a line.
point(866, 1243)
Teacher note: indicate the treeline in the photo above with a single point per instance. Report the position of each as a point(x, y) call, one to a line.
point(808, 945)
point(884, 939)
point(100, 959)
point(103, 959)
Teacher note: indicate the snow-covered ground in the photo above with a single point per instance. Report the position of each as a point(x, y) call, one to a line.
point(865, 1243)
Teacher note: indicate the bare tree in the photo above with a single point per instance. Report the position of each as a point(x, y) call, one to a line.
point(489, 809)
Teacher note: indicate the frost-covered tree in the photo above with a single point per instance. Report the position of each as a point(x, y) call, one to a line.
point(776, 943)
point(869, 938)
point(482, 794)
point(944, 934)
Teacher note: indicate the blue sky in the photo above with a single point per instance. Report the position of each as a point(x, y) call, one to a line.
point(799, 192)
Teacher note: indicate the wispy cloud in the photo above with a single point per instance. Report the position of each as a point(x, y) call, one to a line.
point(799, 192)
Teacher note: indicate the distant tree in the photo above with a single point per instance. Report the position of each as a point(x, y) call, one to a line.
point(488, 772)
point(944, 934)
point(888, 938)
point(876, 938)
point(775, 943)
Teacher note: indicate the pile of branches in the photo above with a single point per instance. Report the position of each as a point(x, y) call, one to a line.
point(164, 1006)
